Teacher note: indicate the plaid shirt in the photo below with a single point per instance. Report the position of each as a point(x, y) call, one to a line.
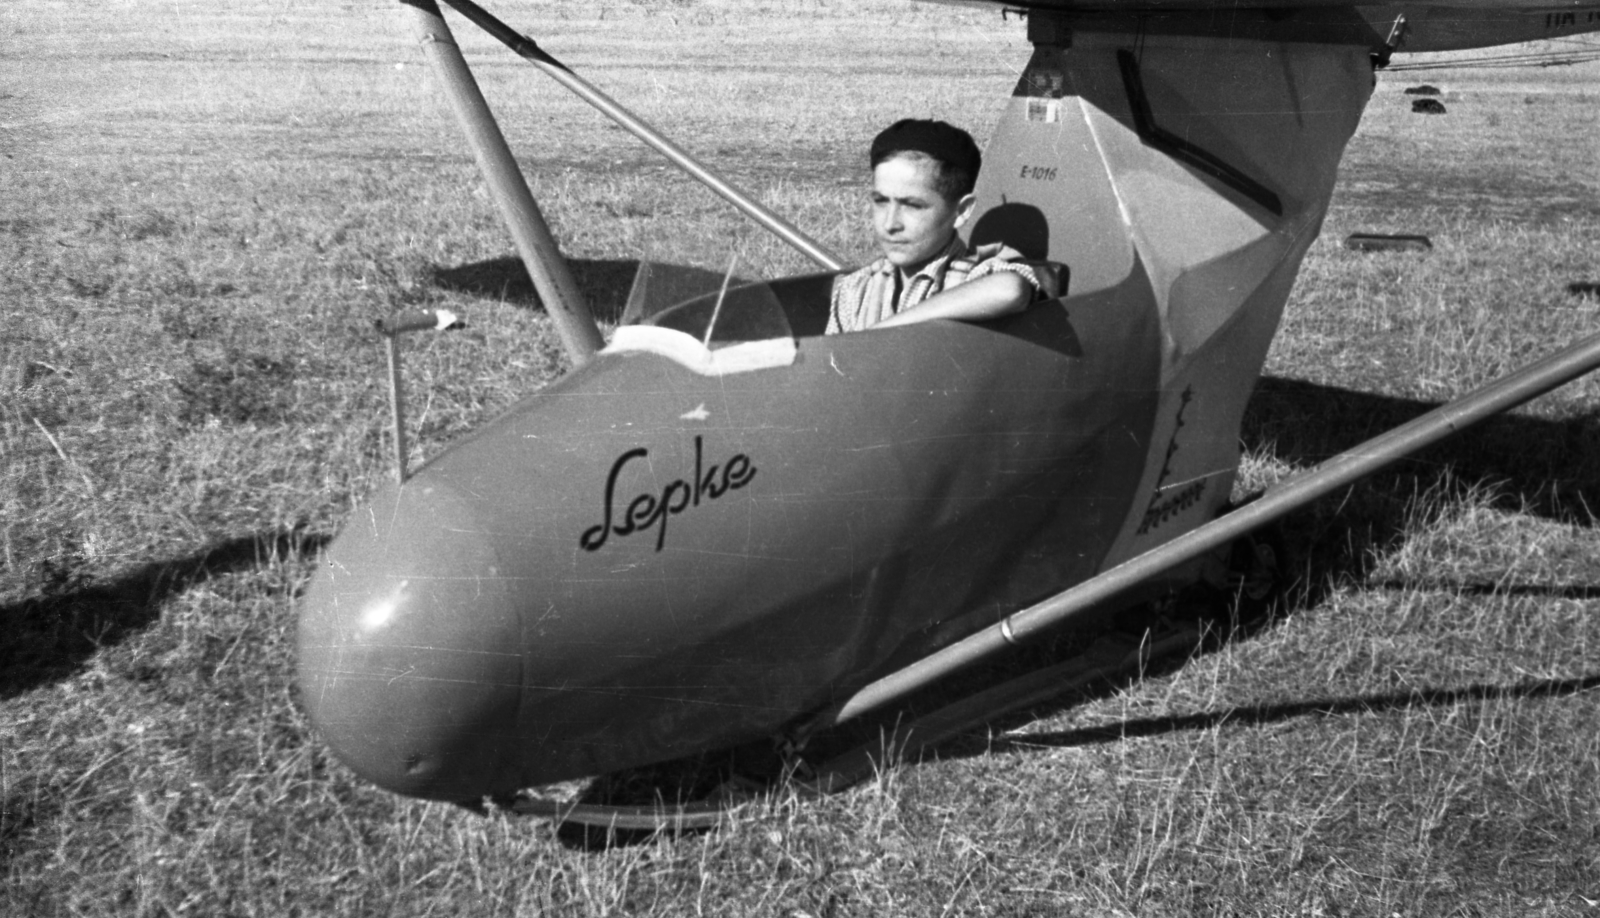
point(867, 296)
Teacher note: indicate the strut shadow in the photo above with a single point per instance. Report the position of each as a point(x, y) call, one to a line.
point(50, 636)
point(1261, 715)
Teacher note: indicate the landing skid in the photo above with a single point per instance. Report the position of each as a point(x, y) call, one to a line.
point(1115, 657)
point(1112, 658)
point(1109, 659)
point(665, 817)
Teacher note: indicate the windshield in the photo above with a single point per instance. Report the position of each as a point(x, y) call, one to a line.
point(715, 309)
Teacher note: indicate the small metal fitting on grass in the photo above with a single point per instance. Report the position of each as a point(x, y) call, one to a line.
point(418, 320)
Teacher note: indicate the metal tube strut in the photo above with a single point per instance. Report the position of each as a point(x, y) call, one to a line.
point(397, 407)
point(528, 50)
point(1279, 501)
point(552, 279)
point(391, 329)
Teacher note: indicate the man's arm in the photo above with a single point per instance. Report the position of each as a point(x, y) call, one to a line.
point(1000, 294)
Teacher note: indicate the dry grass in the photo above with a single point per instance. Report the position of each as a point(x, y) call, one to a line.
point(203, 206)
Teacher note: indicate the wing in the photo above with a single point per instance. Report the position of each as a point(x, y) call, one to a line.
point(1444, 25)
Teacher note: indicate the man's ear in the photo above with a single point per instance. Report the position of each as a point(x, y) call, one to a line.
point(964, 208)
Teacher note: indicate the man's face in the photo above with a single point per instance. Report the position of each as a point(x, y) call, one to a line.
point(912, 220)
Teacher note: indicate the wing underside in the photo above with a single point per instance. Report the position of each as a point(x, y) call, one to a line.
point(1401, 27)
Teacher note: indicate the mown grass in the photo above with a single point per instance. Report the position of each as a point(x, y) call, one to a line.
point(203, 208)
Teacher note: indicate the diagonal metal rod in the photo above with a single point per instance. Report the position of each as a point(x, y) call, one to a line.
point(527, 49)
point(1281, 500)
point(551, 276)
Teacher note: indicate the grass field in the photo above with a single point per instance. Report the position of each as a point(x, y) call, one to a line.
point(204, 205)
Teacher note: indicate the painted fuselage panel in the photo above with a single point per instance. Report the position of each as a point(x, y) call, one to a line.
point(1189, 172)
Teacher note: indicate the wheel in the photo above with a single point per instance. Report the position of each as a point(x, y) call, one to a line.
point(1258, 576)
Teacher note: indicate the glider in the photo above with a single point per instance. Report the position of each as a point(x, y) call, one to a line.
point(723, 526)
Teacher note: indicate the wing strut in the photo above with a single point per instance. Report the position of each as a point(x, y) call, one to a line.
point(551, 277)
point(528, 50)
point(1281, 500)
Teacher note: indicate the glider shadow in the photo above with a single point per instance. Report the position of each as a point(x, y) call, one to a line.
point(605, 282)
point(1547, 468)
point(52, 635)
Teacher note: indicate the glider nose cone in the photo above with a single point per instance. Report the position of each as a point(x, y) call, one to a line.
point(409, 648)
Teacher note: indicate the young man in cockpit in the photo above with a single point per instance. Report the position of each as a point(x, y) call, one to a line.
point(923, 173)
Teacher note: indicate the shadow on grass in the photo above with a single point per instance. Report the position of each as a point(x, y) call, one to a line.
point(1550, 468)
point(1260, 715)
point(1528, 465)
point(605, 282)
point(1564, 591)
point(50, 636)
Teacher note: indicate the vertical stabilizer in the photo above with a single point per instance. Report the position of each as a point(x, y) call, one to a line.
point(1188, 169)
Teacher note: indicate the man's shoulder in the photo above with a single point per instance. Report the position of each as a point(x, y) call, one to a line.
point(880, 266)
point(990, 251)
point(858, 297)
point(993, 258)
point(859, 277)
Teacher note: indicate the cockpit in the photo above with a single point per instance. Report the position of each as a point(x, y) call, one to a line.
point(739, 326)
point(723, 325)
